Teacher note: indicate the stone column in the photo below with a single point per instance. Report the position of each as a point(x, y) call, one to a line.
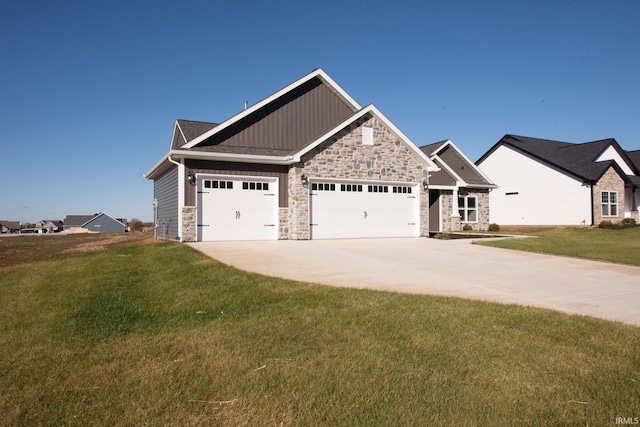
point(189, 226)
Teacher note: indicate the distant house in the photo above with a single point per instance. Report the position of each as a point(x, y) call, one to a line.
point(545, 182)
point(100, 222)
point(49, 225)
point(458, 192)
point(9, 226)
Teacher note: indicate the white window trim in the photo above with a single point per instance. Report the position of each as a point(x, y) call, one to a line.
point(610, 204)
point(465, 208)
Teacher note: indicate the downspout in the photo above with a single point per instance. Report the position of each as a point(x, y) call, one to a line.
point(593, 213)
point(180, 192)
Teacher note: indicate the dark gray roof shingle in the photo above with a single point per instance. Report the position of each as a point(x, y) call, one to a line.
point(576, 159)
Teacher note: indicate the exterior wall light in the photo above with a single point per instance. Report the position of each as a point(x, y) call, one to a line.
point(191, 177)
point(425, 183)
point(305, 179)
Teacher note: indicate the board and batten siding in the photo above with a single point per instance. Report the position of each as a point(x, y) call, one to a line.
point(165, 189)
point(534, 193)
point(243, 169)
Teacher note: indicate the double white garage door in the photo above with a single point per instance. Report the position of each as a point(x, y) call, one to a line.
point(246, 208)
point(352, 210)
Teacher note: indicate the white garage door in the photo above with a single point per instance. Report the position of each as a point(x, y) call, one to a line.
point(352, 210)
point(237, 208)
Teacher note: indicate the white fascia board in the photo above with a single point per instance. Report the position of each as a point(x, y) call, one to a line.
point(181, 132)
point(444, 144)
point(464, 156)
point(92, 218)
point(442, 187)
point(232, 157)
point(432, 167)
point(149, 174)
point(316, 73)
point(223, 157)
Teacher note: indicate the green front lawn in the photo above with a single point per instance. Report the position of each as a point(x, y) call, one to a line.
point(162, 335)
point(613, 245)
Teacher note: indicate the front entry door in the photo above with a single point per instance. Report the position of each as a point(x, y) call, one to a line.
point(434, 211)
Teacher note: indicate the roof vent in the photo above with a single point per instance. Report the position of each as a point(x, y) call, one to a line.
point(367, 135)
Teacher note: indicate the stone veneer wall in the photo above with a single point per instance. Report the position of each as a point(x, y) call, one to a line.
point(283, 223)
point(483, 210)
point(449, 223)
point(610, 181)
point(344, 156)
point(189, 226)
point(453, 223)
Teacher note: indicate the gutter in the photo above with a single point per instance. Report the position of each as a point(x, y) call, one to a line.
point(174, 155)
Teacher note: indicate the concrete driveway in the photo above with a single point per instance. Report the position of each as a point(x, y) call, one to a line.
point(445, 267)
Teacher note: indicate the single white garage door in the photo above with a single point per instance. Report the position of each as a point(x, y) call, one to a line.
point(237, 208)
point(363, 209)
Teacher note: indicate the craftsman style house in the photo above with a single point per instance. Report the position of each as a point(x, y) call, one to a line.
point(307, 162)
point(544, 182)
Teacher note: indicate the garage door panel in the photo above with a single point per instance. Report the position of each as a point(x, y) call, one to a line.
point(232, 208)
point(363, 210)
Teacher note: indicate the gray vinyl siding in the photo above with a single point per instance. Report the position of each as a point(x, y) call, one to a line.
point(105, 224)
point(248, 169)
point(165, 189)
point(460, 166)
point(288, 123)
point(442, 177)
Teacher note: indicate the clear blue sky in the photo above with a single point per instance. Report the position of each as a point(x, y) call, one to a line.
point(90, 90)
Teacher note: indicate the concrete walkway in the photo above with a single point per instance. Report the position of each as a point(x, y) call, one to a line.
point(445, 267)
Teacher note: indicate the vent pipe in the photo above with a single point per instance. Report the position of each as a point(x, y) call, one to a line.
point(245, 104)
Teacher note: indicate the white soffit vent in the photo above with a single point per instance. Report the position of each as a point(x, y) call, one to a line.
point(367, 135)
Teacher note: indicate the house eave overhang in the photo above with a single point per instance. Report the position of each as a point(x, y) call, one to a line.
point(175, 155)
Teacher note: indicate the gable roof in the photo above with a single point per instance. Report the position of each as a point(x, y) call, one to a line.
point(279, 100)
point(277, 130)
point(77, 220)
point(12, 225)
point(187, 130)
point(634, 156)
point(579, 160)
point(455, 164)
point(102, 214)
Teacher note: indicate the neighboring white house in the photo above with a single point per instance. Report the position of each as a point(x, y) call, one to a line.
point(543, 182)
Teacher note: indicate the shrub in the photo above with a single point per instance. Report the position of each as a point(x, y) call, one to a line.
point(629, 221)
point(494, 227)
point(605, 224)
point(467, 227)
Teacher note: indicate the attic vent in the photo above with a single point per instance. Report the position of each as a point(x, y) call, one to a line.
point(367, 136)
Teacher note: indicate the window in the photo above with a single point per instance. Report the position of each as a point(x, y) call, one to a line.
point(323, 186)
point(255, 186)
point(378, 189)
point(609, 203)
point(402, 189)
point(218, 184)
point(351, 187)
point(468, 208)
